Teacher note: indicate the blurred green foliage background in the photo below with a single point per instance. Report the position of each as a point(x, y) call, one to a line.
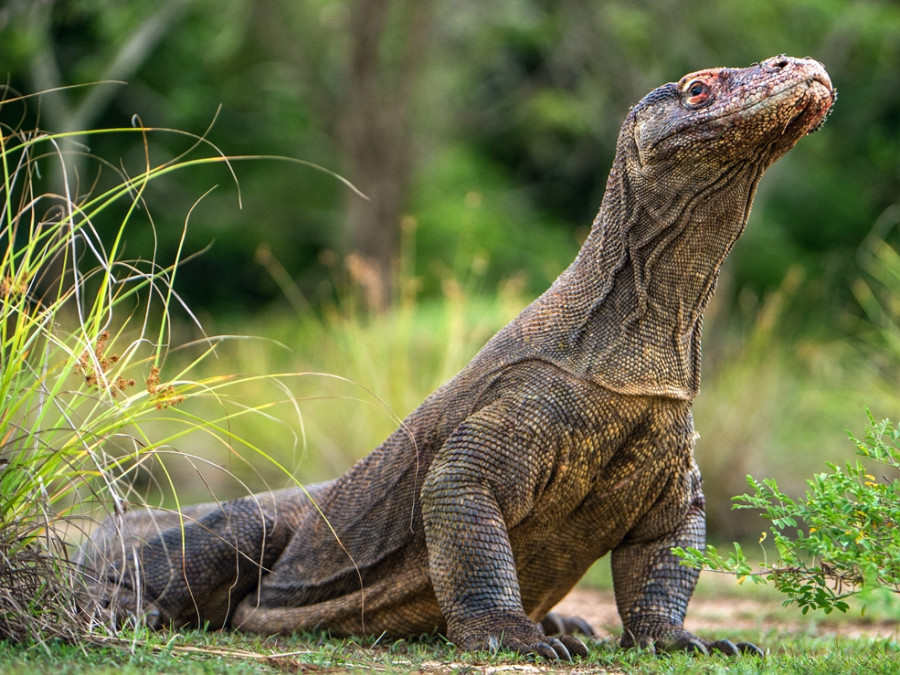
point(481, 131)
point(482, 134)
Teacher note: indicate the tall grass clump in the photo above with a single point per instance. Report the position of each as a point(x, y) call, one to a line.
point(84, 372)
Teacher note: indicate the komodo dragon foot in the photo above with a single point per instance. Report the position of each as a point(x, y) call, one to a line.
point(115, 603)
point(682, 640)
point(522, 636)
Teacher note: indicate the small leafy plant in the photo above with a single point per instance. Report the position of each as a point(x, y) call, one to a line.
point(841, 539)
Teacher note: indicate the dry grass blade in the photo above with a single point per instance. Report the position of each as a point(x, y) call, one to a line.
point(34, 606)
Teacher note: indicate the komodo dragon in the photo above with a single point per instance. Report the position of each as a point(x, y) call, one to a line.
point(569, 435)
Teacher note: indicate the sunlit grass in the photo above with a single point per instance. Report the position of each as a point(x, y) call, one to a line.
point(94, 413)
point(196, 652)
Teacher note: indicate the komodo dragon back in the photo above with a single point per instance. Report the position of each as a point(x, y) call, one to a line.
point(567, 437)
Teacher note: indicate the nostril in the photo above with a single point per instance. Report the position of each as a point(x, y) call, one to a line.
point(779, 62)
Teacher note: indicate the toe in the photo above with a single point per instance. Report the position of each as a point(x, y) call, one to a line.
point(557, 624)
point(578, 625)
point(725, 646)
point(559, 649)
point(575, 646)
point(553, 624)
point(545, 650)
point(691, 645)
point(750, 648)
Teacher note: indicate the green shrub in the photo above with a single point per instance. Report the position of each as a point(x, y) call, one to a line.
point(841, 539)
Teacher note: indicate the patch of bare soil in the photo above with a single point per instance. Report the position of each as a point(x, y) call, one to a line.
point(711, 615)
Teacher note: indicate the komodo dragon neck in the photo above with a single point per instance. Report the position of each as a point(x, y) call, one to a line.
point(627, 312)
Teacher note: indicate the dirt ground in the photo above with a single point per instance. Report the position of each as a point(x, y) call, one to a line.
point(720, 615)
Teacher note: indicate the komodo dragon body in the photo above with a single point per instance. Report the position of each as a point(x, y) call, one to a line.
point(568, 436)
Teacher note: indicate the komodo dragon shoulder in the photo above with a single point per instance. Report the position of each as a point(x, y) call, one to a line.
point(567, 437)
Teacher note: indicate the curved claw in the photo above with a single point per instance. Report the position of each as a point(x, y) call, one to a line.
point(691, 644)
point(683, 643)
point(578, 625)
point(554, 623)
point(727, 647)
point(750, 648)
point(575, 646)
point(559, 649)
point(546, 650)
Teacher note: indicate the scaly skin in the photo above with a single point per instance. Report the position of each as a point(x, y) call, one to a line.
point(568, 436)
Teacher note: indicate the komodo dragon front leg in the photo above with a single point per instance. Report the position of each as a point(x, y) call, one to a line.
point(483, 482)
point(653, 589)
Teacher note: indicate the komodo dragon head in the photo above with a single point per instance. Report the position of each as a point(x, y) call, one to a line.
point(710, 119)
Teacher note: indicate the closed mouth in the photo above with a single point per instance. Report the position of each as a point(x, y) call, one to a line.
point(832, 95)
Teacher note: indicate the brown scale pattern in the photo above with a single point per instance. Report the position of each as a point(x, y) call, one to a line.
point(567, 437)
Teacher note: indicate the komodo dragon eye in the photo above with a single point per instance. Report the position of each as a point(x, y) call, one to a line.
point(697, 93)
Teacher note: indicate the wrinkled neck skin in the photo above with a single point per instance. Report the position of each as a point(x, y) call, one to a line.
point(639, 317)
point(627, 313)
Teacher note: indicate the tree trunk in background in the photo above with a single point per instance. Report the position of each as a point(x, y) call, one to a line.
point(388, 39)
point(64, 111)
point(67, 111)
